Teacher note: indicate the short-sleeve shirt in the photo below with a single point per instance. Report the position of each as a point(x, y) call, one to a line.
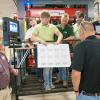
point(76, 30)
point(45, 32)
point(29, 32)
point(66, 32)
point(4, 71)
point(87, 61)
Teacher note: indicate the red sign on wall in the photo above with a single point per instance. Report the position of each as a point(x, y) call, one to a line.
point(55, 12)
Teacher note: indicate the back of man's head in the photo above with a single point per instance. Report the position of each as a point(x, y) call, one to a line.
point(86, 29)
point(87, 26)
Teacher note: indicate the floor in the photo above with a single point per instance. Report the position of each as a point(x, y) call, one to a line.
point(52, 96)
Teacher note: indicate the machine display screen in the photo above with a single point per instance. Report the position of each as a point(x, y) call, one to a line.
point(13, 27)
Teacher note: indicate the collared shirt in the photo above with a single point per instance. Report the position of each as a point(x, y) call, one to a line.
point(76, 30)
point(29, 32)
point(45, 32)
point(87, 61)
point(67, 31)
point(4, 71)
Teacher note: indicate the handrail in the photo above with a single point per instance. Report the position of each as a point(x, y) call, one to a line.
point(23, 59)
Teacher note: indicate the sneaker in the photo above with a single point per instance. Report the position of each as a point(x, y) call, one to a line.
point(52, 86)
point(58, 81)
point(47, 88)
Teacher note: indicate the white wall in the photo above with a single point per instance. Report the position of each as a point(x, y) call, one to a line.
point(99, 4)
point(7, 8)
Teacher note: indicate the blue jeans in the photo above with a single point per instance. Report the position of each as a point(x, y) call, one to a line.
point(84, 97)
point(37, 70)
point(39, 73)
point(63, 73)
point(47, 75)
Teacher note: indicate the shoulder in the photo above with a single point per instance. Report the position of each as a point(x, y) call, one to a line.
point(3, 56)
point(95, 22)
point(53, 26)
point(37, 26)
point(80, 45)
point(29, 30)
point(58, 25)
point(69, 25)
point(75, 25)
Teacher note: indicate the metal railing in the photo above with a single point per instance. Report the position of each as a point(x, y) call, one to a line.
point(23, 52)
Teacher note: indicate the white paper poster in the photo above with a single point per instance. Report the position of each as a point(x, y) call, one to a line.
point(53, 55)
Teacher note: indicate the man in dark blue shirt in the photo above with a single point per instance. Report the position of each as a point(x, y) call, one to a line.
point(86, 65)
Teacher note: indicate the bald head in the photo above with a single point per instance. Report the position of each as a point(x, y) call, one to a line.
point(86, 29)
point(87, 26)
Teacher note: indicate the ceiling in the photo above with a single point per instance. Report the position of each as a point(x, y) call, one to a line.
point(16, 2)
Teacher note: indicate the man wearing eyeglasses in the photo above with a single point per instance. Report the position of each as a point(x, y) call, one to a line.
point(86, 65)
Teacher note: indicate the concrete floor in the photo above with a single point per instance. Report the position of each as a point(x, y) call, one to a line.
point(52, 96)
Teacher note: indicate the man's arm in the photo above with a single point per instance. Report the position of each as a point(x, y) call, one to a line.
point(37, 39)
point(70, 38)
point(60, 36)
point(71, 34)
point(11, 67)
point(13, 70)
point(76, 77)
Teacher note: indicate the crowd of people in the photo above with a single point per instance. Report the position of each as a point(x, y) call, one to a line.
point(84, 64)
point(86, 57)
point(46, 31)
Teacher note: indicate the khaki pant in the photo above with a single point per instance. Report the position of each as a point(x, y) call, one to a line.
point(5, 94)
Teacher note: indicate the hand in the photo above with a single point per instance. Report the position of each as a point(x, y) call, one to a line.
point(30, 45)
point(44, 43)
point(15, 71)
point(77, 93)
point(57, 43)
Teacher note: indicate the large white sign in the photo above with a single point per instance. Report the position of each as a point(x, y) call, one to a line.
point(53, 55)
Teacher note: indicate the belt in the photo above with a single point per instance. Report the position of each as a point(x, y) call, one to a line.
point(91, 94)
point(2, 88)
